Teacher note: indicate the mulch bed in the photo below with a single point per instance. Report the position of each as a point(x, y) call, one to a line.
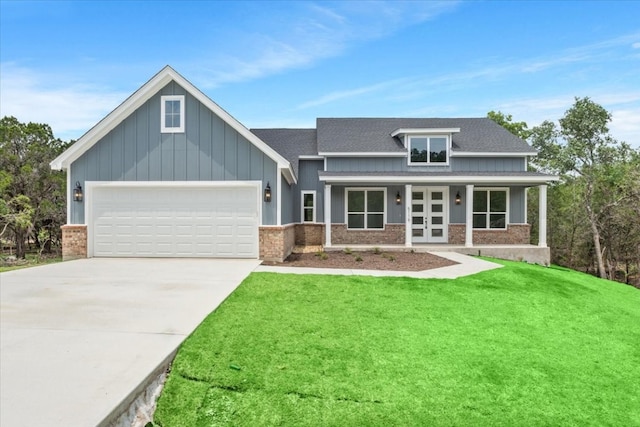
point(399, 261)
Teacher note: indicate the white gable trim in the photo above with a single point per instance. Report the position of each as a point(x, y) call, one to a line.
point(362, 154)
point(423, 131)
point(490, 154)
point(142, 95)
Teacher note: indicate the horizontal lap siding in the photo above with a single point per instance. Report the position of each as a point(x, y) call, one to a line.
point(208, 150)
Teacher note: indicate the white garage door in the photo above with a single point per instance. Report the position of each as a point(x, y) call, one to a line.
point(151, 221)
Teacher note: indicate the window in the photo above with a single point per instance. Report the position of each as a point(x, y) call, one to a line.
point(490, 208)
point(308, 206)
point(172, 114)
point(365, 208)
point(428, 150)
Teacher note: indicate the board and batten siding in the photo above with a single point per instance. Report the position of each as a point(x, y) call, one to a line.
point(399, 164)
point(308, 181)
point(208, 150)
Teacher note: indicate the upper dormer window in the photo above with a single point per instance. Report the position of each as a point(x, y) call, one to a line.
point(172, 114)
point(428, 150)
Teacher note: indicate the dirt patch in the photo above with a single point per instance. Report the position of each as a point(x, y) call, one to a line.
point(399, 261)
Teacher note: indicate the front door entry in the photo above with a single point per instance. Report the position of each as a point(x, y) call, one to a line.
point(429, 214)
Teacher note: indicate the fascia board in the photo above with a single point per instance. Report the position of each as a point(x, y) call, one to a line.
point(444, 179)
point(489, 154)
point(105, 126)
point(362, 154)
point(416, 131)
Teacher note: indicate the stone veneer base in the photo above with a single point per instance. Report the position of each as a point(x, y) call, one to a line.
point(74, 241)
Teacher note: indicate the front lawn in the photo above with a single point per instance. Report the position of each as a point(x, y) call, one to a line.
point(8, 263)
point(521, 345)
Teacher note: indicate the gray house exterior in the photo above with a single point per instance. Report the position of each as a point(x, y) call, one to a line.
point(170, 173)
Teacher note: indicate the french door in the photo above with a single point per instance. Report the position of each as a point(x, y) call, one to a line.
point(429, 214)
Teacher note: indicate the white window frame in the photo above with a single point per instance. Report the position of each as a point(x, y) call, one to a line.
point(163, 101)
point(428, 162)
point(488, 212)
point(366, 190)
point(303, 207)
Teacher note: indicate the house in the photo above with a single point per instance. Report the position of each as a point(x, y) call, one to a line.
point(169, 173)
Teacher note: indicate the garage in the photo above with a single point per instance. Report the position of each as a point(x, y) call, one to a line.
point(173, 219)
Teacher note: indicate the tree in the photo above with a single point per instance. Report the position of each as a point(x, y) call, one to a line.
point(519, 129)
point(585, 155)
point(30, 189)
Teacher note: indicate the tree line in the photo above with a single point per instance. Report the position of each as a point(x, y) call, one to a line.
point(593, 219)
point(33, 201)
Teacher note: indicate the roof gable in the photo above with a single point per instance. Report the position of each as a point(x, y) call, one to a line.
point(142, 95)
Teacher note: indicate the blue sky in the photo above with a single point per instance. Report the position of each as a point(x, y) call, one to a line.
point(283, 64)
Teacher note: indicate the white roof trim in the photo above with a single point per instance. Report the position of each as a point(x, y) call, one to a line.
point(362, 154)
point(311, 157)
point(142, 95)
point(489, 154)
point(425, 131)
point(443, 179)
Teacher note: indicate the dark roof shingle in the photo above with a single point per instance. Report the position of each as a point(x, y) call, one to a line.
point(338, 135)
point(290, 143)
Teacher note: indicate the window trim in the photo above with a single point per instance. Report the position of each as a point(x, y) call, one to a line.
point(428, 162)
point(366, 190)
point(486, 190)
point(302, 206)
point(163, 100)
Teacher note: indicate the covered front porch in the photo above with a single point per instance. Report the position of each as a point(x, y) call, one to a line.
point(477, 214)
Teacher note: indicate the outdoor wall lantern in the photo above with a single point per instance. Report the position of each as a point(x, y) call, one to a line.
point(267, 193)
point(398, 198)
point(77, 192)
point(458, 198)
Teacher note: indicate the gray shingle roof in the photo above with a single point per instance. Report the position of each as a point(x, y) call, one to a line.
point(290, 143)
point(374, 134)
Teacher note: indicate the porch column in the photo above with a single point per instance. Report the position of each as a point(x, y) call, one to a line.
point(542, 217)
point(468, 230)
point(407, 213)
point(327, 215)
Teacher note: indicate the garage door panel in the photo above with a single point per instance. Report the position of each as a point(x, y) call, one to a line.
point(167, 222)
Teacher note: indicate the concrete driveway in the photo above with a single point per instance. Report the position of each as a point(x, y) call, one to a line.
point(78, 337)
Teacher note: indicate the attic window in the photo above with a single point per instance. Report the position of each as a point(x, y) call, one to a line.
point(172, 114)
point(428, 150)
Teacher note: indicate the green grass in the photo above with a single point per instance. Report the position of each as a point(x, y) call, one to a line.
point(31, 260)
point(519, 346)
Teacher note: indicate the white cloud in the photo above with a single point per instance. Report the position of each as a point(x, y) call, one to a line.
point(69, 108)
point(636, 45)
point(314, 33)
point(340, 95)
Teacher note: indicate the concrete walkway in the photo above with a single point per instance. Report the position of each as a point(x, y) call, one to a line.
point(76, 338)
point(466, 265)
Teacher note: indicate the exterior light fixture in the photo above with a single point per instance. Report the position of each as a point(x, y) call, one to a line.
point(77, 192)
point(398, 198)
point(267, 193)
point(458, 198)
